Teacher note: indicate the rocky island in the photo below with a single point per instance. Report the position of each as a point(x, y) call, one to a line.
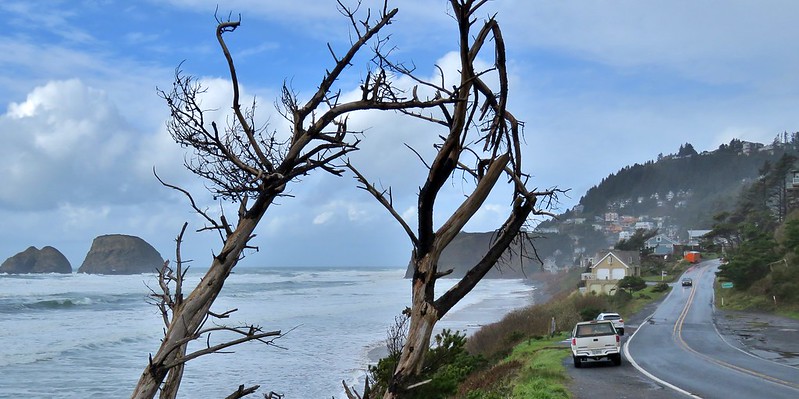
point(34, 260)
point(121, 254)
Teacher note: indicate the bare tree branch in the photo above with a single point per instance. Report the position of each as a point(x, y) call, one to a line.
point(386, 201)
point(473, 113)
point(242, 392)
point(250, 165)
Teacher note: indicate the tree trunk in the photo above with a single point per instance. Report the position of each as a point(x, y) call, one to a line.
point(423, 318)
point(194, 310)
point(174, 377)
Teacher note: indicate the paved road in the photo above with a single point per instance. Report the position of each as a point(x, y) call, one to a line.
point(680, 348)
point(603, 380)
point(682, 353)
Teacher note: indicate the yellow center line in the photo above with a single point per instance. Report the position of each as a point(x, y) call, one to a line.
point(677, 333)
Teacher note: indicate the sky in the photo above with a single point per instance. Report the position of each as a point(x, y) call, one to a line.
point(600, 85)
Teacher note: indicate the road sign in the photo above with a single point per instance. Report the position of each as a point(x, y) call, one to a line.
point(726, 284)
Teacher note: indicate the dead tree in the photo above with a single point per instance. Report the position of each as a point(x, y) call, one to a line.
point(251, 168)
point(481, 140)
point(169, 300)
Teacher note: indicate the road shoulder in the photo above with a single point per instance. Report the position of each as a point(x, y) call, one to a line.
point(764, 335)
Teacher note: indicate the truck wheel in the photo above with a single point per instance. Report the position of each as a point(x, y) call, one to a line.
point(577, 362)
point(616, 359)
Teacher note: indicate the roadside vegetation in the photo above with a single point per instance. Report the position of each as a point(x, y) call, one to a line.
point(520, 356)
point(527, 356)
point(760, 238)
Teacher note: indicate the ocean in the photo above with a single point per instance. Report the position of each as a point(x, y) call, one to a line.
point(89, 336)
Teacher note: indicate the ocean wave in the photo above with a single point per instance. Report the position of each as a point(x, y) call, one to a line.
point(70, 301)
point(63, 350)
point(58, 303)
point(103, 328)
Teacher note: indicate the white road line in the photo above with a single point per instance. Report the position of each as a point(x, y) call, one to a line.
point(646, 373)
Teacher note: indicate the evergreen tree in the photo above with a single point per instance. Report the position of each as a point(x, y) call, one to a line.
point(687, 150)
point(637, 241)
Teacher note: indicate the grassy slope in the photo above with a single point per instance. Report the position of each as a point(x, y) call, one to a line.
point(529, 364)
point(732, 299)
point(542, 374)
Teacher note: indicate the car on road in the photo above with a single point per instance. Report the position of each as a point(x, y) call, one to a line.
point(595, 340)
point(615, 318)
point(687, 282)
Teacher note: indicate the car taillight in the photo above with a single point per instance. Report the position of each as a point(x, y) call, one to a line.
point(621, 320)
point(574, 341)
point(618, 339)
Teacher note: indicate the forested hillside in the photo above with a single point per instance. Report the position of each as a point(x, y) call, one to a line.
point(759, 239)
point(676, 193)
point(703, 184)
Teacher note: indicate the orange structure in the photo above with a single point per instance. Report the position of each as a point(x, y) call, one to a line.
point(692, 256)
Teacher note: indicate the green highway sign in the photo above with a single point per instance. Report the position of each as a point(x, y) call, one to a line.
point(726, 284)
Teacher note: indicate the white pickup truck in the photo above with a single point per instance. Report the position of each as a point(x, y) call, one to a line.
point(595, 340)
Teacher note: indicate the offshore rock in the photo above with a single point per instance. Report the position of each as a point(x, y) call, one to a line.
point(121, 254)
point(33, 260)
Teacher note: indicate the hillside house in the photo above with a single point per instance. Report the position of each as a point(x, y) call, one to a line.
point(696, 236)
point(644, 225)
point(610, 267)
point(660, 245)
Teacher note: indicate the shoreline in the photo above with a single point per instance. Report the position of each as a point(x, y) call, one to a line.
point(470, 317)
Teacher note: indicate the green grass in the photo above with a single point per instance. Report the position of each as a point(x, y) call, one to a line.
point(641, 299)
point(732, 299)
point(658, 279)
point(792, 313)
point(542, 375)
point(538, 363)
point(533, 367)
point(532, 370)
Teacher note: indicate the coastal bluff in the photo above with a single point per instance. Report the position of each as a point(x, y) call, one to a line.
point(34, 260)
point(466, 249)
point(121, 254)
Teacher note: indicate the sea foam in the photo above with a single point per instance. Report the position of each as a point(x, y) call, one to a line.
point(89, 336)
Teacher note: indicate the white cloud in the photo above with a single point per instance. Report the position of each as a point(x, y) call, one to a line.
point(23, 14)
point(67, 143)
point(409, 213)
point(77, 218)
point(699, 40)
point(343, 211)
point(600, 86)
point(64, 118)
point(323, 217)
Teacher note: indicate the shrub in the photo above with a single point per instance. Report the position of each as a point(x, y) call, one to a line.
point(620, 298)
point(489, 383)
point(446, 364)
point(515, 337)
point(589, 313)
point(660, 287)
point(632, 283)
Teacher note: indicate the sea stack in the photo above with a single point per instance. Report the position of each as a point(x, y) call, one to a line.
point(121, 254)
point(33, 260)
